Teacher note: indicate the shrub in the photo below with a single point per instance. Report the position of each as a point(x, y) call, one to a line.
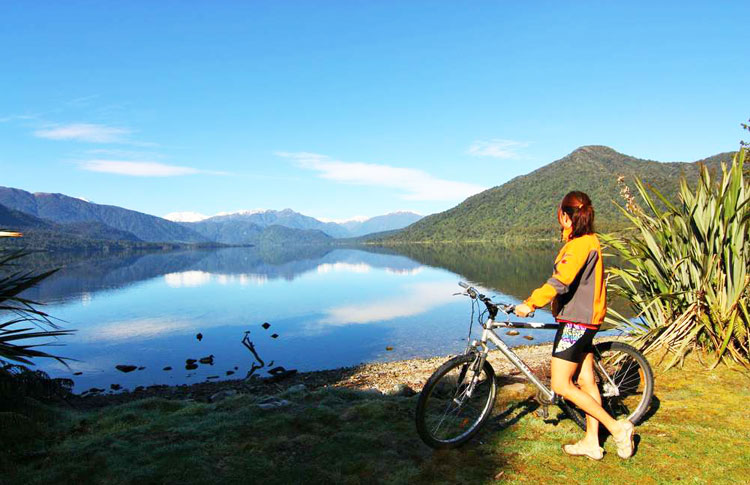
point(20, 320)
point(686, 272)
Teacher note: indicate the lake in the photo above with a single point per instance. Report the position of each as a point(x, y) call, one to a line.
point(325, 307)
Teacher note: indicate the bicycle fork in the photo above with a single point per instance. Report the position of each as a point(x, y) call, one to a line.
point(475, 368)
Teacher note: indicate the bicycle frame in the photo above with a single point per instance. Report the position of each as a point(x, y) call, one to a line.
point(489, 334)
point(609, 389)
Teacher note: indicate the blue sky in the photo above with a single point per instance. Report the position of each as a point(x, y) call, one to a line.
point(339, 109)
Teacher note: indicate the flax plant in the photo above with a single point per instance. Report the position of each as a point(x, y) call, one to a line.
point(686, 271)
point(22, 324)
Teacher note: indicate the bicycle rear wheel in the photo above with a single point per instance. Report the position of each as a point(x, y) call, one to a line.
point(625, 381)
point(455, 402)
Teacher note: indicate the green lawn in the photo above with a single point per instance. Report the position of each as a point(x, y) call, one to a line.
point(700, 433)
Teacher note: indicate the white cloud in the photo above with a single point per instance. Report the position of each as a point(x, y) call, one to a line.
point(415, 184)
point(84, 132)
point(118, 153)
point(141, 169)
point(496, 148)
point(6, 119)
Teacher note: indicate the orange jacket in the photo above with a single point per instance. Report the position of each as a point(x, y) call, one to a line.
point(577, 288)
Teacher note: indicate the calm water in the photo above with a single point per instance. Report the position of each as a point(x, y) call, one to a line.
point(327, 307)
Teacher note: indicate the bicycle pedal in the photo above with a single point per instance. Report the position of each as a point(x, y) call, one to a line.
point(543, 412)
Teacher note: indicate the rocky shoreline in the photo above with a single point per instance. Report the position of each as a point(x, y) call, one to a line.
point(404, 377)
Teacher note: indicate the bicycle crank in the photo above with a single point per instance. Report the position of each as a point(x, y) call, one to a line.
point(544, 404)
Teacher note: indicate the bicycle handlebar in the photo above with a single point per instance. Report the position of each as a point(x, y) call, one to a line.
point(491, 306)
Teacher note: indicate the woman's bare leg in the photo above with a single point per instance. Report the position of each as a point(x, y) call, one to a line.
point(587, 383)
point(562, 383)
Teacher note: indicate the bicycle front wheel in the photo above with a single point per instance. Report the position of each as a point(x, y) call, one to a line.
point(625, 381)
point(456, 401)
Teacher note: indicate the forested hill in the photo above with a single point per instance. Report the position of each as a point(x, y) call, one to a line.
point(525, 206)
point(62, 209)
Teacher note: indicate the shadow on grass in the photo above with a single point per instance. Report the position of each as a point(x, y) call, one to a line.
point(653, 408)
point(512, 415)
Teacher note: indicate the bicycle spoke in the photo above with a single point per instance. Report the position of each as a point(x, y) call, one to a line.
point(451, 412)
point(458, 408)
point(447, 412)
point(626, 374)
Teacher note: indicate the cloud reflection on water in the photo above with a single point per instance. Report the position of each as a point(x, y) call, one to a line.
point(405, 271)
point(416, 299)
point(136, 329)
point(195, 278)
point(191, 279)
point(344, 267)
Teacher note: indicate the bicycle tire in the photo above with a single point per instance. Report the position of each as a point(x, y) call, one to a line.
point(634, 380)
point(440, 392)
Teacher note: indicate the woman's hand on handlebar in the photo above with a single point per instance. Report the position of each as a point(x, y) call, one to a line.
point(523, 310)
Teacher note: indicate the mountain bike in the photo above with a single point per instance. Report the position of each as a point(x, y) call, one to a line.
point(460, 396)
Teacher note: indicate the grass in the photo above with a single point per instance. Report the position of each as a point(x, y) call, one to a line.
point(697, 434)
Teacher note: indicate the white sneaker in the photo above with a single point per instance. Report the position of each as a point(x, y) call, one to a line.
point(579, 449)
point(625, 442)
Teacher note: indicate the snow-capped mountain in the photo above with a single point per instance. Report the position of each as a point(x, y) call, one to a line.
point(234, 227)
point(185, 217)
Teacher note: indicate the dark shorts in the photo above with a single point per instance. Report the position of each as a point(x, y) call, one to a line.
point(573, 341)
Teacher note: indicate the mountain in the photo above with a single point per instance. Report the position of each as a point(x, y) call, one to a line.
point(42, 234)
point(31, 225)
point(281, 235)
point(526, 205)
point(62, 209)
point(227, 232)
point(57, 221)
point(286, 218)
point(238, 230)
point(237, 227)
point(388, 222)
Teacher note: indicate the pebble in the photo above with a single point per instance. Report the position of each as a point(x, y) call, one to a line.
point(222, 395)
point(296, 388)
point(126, 368)
point(273, 403)
point(402, 390)
point(514, 388)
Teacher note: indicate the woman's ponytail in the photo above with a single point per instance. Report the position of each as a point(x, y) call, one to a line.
point(577, 205)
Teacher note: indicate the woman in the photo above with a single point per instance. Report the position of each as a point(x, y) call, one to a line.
point(578, 295)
